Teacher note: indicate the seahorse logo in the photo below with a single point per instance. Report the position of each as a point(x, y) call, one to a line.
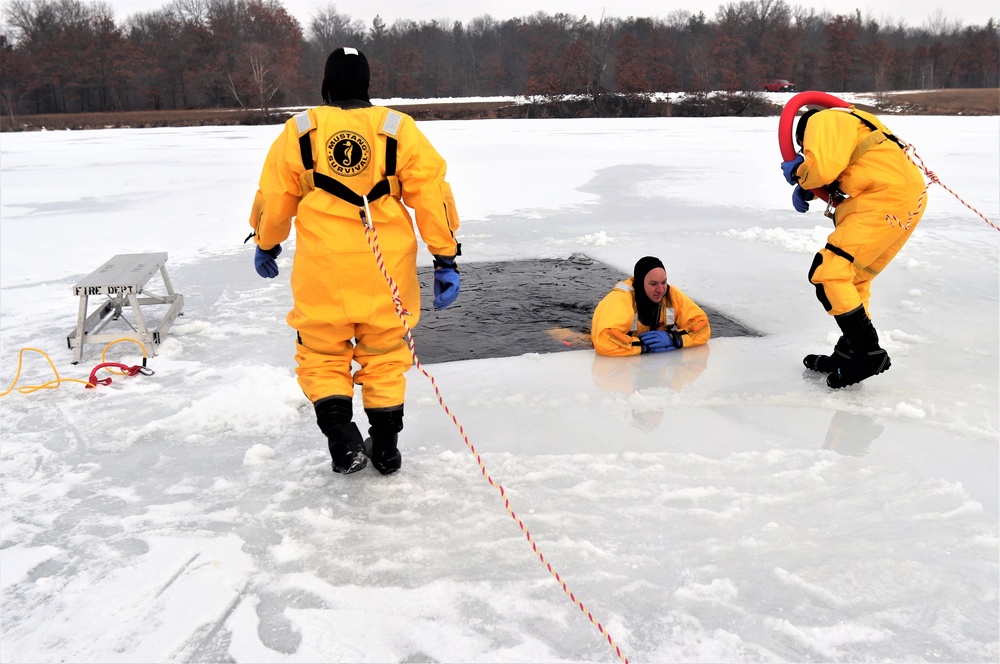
point(348, 153)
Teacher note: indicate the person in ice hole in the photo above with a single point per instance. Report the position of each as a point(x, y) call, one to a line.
point(645, 314)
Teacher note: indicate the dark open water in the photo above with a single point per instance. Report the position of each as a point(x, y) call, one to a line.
point(532, 306)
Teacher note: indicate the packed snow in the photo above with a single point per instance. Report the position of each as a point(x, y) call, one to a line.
point(712, 504)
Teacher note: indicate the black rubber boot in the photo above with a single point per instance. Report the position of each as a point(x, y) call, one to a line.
point(333, 415)
point(868, 358)
point(386, 423)
point(829, 363)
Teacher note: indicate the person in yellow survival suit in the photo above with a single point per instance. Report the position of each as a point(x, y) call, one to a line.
point(651, 317)
point(882, 198)
point(320, 170)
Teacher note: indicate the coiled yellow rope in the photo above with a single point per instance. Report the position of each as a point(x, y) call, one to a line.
point(59, 380)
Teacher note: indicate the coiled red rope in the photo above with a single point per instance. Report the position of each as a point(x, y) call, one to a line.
point(126, 371)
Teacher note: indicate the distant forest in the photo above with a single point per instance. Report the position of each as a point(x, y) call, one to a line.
point(67, 56)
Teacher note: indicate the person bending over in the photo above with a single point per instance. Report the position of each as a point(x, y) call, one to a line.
point(880, 197)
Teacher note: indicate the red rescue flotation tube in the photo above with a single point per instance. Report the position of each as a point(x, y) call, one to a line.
point(786, 134)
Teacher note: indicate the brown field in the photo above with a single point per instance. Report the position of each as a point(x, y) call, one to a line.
point(970, 101)
point(984, 101)
point(217, 117)
point(108, 120)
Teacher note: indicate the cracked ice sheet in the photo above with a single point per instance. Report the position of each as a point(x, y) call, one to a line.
point(148, 601)
point(711, 504)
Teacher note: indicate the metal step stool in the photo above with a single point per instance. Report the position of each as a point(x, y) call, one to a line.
point(122, 279)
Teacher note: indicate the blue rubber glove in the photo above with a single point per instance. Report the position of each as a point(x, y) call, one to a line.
point(788, 168)
point(447, 282)
point(657, 341)
point(801, 198)
point(264, 263)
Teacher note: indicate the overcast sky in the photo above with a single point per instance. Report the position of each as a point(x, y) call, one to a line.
point(915, 13)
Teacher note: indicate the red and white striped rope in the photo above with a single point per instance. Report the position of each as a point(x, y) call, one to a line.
point(893, 219)
point(911, 152)
point(372, 238)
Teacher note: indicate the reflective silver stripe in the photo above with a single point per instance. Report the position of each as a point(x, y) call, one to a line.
point(622, 286)
point(391, 124)
point(303, 122)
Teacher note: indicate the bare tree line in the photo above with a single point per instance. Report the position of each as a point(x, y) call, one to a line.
point(70, 56)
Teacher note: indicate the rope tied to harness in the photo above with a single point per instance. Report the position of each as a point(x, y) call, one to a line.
point(372, 237)
point(918, 161)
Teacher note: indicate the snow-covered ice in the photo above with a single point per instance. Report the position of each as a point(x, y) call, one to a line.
point(714, 504)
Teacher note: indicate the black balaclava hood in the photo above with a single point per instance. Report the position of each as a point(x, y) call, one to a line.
point(800, 128)
point(647, 309)
point(346, 76)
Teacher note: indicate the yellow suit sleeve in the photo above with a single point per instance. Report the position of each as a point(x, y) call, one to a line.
point(421, 172)
point(690, 319)
point(279, 191)
point(611, 324)
point(827, 146)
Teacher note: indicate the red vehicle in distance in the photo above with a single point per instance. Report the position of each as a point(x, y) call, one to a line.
point(779, 85)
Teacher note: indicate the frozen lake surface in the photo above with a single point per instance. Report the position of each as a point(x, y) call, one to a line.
point(714, 504)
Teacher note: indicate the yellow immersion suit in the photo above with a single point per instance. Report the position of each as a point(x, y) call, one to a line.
point(887, 197)
point(615, 328)
point(343, 307)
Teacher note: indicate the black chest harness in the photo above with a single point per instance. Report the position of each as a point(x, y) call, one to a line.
point(387, 187)
point(879, 133)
